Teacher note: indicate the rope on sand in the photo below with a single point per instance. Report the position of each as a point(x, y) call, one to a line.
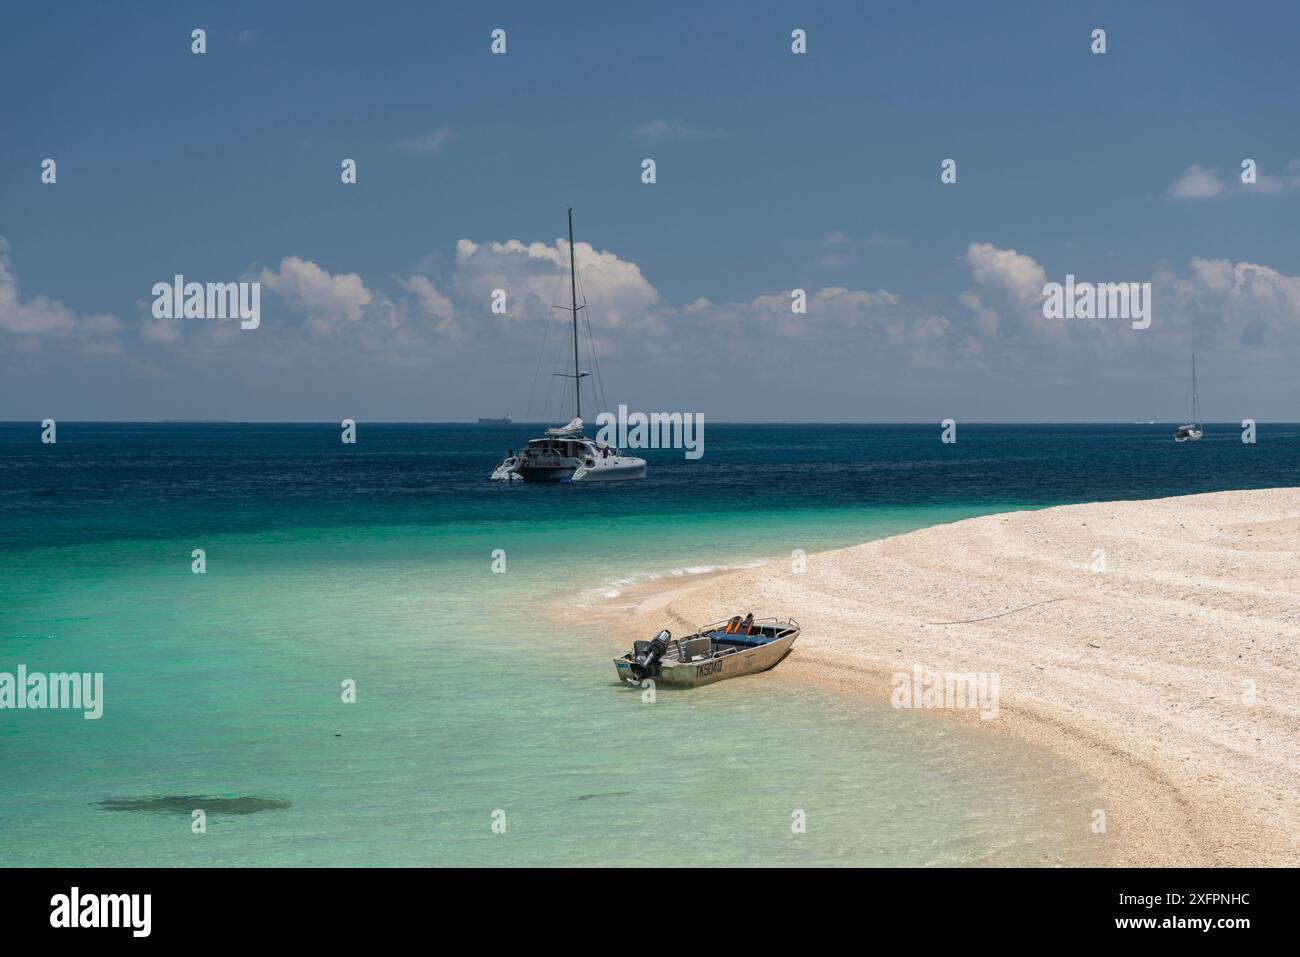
point(971, 621)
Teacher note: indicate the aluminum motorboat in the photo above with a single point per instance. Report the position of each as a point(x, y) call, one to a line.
point(725, 649)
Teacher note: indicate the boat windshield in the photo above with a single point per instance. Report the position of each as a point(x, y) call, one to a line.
point(563, 447)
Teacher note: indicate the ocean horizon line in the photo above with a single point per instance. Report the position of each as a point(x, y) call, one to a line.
point(548, 423)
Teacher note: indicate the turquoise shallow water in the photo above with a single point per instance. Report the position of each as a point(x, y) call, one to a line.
point(481, 692)
point(228, 684)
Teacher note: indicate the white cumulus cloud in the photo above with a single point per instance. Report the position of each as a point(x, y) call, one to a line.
point(39, 314)
point(1007, 269)
point(330, 300)
point(534, 277)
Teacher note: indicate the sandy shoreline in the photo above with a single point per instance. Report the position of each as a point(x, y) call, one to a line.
point(1172, 677)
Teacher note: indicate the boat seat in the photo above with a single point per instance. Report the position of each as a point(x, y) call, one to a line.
point(742, 641)
point(695, 647)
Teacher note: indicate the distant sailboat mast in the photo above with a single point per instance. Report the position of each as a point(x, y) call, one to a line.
point(1196, 398)
point(1193, 431)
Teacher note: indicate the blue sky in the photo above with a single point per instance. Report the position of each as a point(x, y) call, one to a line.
point(775, 171)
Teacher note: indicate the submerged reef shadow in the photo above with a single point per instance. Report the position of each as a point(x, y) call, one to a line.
point(187, 803)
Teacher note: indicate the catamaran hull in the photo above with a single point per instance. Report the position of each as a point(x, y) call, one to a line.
point(611, 473)
point(692, 674)
point(604, 471)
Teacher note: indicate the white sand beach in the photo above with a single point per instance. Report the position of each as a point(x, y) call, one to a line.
point(1172, 677)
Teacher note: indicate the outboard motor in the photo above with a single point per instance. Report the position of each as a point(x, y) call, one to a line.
point(654, 650)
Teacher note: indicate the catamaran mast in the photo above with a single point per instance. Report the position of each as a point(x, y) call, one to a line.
point(573, 289)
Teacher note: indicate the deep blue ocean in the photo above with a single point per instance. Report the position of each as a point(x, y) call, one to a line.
point(100, 480)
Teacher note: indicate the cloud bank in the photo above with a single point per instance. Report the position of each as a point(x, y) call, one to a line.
point(988, 353)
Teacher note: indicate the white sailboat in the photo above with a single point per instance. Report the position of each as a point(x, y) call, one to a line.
point(565, 453)
point(1192, 431)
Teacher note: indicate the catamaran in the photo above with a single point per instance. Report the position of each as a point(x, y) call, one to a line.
point(1192, 431)
point(565, 453)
